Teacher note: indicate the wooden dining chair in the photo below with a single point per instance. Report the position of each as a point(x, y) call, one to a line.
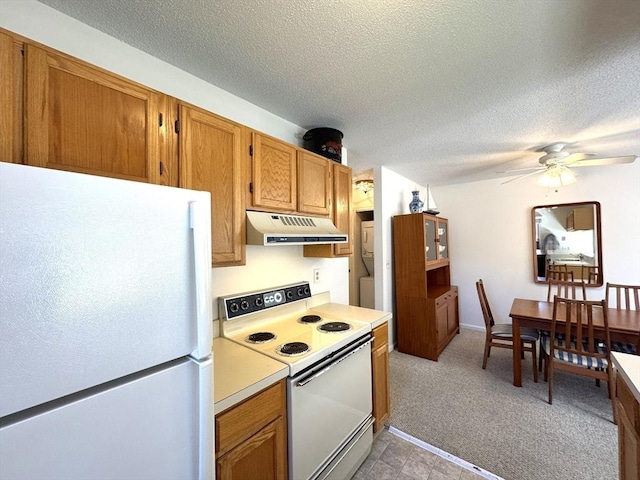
point(624, 297)
point(590, 274)
point(562, 285)
point(559, 272)
point(501, 335)
point(573, 347)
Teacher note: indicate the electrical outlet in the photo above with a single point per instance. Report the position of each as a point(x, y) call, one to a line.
point(316, 275)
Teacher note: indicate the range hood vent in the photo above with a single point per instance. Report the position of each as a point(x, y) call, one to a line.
point(278, 229)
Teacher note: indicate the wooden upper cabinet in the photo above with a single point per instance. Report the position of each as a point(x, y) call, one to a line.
point(11, 68)
point(342, 215)
point(83, 119)
point(210, 158)
point(315, 187)
point(273, 174)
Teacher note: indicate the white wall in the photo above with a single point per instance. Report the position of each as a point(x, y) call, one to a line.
point(490, 234)
point(266, 267)
point(392, 197)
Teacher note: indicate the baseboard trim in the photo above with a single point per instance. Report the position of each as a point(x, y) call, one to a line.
point(441, 453)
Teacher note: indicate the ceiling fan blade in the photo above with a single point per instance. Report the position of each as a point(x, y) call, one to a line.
point(577, 157)
point(605, 161)
point(528, 169)
point(538, 170)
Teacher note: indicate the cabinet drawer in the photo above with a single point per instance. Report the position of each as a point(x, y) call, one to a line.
point(380, 336)
point(242, 421)
point(445, 298)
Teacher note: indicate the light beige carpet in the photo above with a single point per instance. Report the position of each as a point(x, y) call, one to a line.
point(479, 416)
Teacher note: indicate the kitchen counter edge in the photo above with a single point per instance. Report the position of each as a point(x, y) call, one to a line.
point(629, 367)
point(345, 312)
point(240, 372)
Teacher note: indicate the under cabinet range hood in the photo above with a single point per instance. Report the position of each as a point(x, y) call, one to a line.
point(282, 229)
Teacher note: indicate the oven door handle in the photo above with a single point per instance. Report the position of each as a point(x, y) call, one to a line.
point(302, 383)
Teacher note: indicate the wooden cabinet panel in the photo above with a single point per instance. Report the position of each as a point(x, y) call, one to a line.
point(273, 174)
point(83, 119)
point(628, 417)
point(380, 376)
point(315, 188)
point(342, 215)
point(261, 456)
point(11, 90)
point(251, 438)
point(210, 157)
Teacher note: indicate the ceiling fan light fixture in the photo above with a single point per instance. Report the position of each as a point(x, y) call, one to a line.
point(557, 176)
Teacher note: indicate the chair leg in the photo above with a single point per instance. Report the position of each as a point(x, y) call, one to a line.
point(522, 350)
point(550, 375)
point(540, 353)
point(612, 394)
point(487, 350)
point(535, 369)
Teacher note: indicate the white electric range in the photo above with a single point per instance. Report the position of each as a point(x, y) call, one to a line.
point(329, 362)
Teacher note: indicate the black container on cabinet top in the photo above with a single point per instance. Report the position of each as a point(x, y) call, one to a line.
point(324, 141)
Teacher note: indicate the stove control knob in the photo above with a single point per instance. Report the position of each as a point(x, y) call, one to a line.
point(306, 290)
point(289, 294)
point(233, 307)
point(244, 305)
point(300, 291)
point(258, 301)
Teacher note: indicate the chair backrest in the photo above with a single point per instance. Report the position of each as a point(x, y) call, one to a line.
point(579, 316)
point(559, 272)
point(624, 296)
point(484, 305)
point(590, 274)
point(565, 289)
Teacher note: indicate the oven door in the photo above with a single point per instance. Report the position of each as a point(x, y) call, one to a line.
point(326, 405)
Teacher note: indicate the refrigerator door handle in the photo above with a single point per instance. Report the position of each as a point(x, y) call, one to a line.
point(206, 470)
point(200, 223)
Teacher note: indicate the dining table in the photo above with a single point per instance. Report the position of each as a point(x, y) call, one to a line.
point(624, 326)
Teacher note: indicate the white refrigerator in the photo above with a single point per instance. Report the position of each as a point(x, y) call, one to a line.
point(106, 368)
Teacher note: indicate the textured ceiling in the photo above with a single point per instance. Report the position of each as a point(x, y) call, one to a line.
point(439, 91)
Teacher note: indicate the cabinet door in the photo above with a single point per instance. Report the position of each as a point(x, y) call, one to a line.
point(442, 236)
point(315, 188)
point(452, 311)
point(442, 321)
point(263, 455)
point(342, 213)
point(210, 160)
point(274, 174)
point(83, 119)
point(10, 99)
point(380, 376)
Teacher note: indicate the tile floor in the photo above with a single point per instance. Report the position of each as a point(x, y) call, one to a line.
point(394, 458)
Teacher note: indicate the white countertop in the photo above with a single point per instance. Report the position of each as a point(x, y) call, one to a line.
point(240, 372)
point(629, 367)
point(346, 312)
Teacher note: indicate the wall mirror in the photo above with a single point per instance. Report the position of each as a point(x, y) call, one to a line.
point(566, 237)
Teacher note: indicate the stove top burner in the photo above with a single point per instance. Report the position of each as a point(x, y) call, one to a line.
point(293, 349)
point(334, 327)
point(260, 337)
point(310, 319)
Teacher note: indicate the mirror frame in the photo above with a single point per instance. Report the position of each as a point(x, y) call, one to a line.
point(598, 239)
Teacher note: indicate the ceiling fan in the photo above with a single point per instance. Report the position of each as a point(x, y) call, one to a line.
point(555, 163)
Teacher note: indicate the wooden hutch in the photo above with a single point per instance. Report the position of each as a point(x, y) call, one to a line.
point(426, 302)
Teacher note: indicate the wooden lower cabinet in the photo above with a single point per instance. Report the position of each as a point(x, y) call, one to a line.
point(628, 416)
point(380, 375)
point(251, 438)
point(445, 310)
